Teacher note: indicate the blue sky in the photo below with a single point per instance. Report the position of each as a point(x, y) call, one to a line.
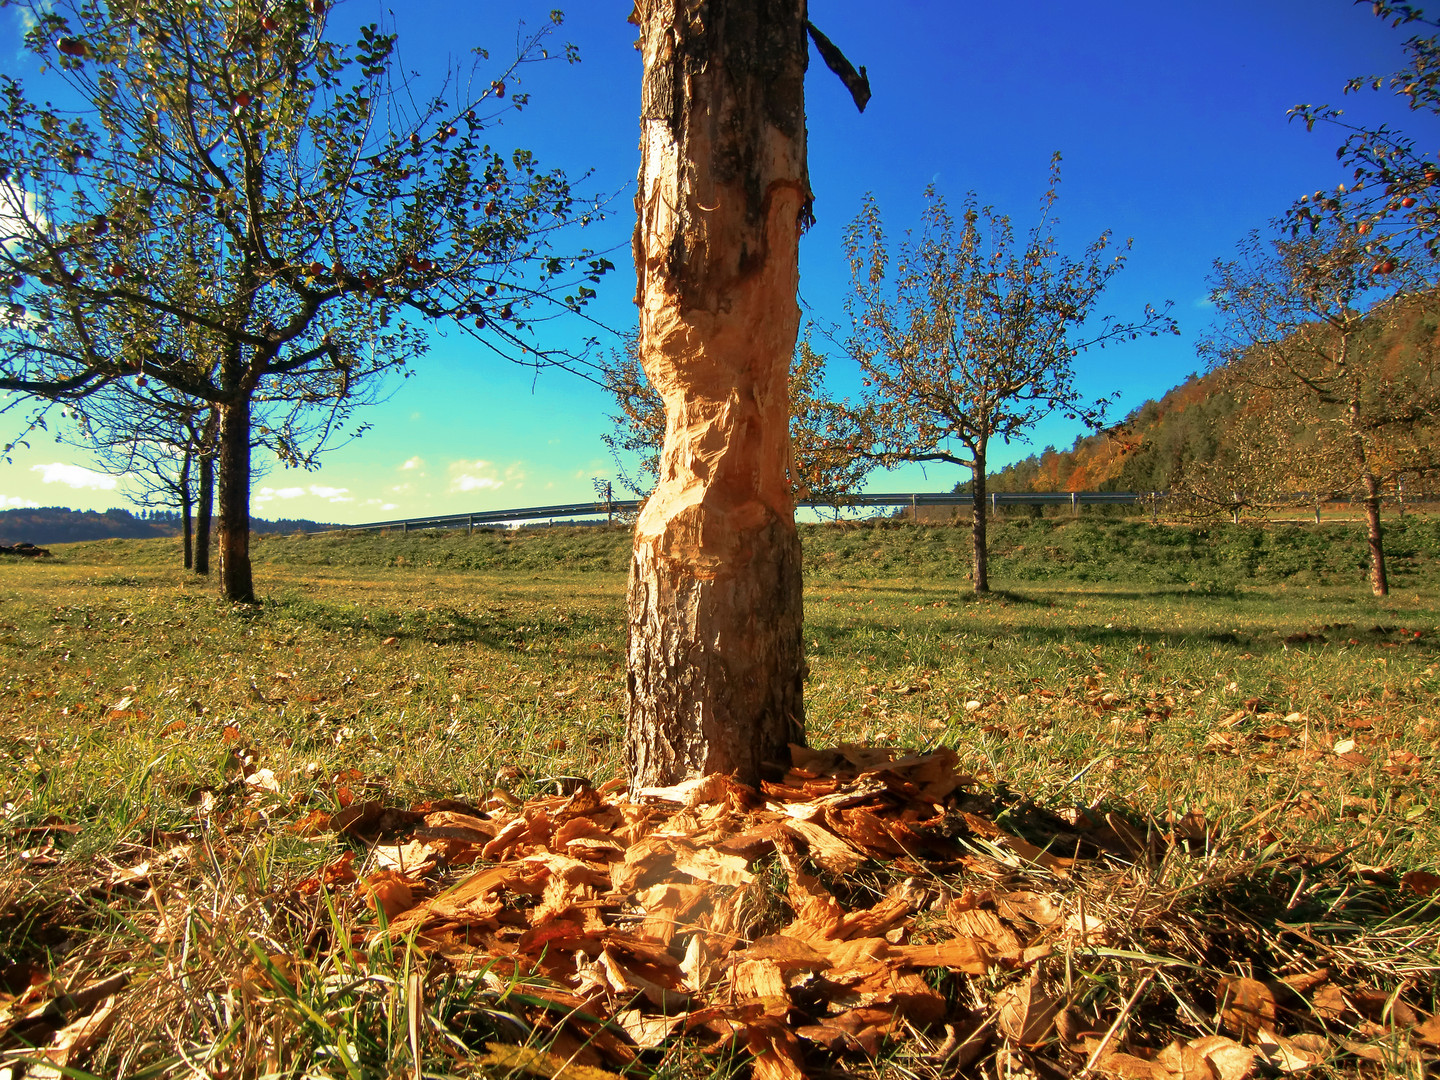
point(1171, 118)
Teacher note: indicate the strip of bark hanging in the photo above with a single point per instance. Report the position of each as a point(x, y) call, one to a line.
point(857, 82)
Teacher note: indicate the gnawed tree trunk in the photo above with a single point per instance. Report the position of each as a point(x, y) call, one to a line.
point(716, 657)
point(234, 538)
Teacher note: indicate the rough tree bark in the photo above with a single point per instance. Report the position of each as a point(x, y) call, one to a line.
point(186, 510)
point(980, 520)
point(234, 469)
point(716, 654)
point(1374, 534)
point(205, 497)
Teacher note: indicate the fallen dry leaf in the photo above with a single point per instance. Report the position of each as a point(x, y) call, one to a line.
point(388, 891)
point(1026, 1016)
point(315, 823)
point(76, 1038)
point(647, 911)
point(339, 872)
point(1182, 1061)
point(1123, 1066)
point(647, 1032)
point(263, 780)
point(532, 1062)
point(1229, 1059)
point(1428, 1033)
point(1247, 1006)
point(1420, 882)
point(1294, 1054)
point(1305, 981)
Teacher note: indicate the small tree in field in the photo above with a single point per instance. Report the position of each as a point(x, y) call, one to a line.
point(249, 213)
point(968, 337)
point(164, 448)
point(1304, 319)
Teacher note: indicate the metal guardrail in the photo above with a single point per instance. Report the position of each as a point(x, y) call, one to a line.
point(912, 499)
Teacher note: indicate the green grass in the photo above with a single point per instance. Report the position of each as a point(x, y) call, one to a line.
point(1150, 671)
point(1024, 549)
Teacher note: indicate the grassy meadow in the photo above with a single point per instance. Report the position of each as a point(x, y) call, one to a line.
point(149, 731)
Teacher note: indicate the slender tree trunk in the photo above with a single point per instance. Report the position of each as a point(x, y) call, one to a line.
point(205, 498)
point(234, 451)
point(188, 530)
point(1379, 581)
point(716, 653)
point(980, 522)
point(204, 511)
point(187, 518)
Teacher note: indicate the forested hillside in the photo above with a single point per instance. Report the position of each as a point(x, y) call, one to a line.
point(58, 525)
point(1221, 431)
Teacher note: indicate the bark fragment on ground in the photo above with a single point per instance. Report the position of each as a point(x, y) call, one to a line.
point(872, 906)
point(868, 896)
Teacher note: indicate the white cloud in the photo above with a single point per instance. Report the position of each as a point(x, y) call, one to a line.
point(28, 21)
point(318, 491)
point(416, 462)
point(15, 502)
point(478, 475)
point(76, 476)
point(467, 482)
point(20, 215)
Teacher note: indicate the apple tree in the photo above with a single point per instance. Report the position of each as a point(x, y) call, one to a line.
point(231, 204)
point(964, 336)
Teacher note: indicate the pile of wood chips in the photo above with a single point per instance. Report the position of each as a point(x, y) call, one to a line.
point(802, 922)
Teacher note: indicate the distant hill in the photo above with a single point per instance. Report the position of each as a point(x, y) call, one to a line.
point(1148, 451)
point(59, 525)
point(1204, 422)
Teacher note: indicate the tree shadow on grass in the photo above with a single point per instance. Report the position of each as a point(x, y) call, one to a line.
point(503, 630)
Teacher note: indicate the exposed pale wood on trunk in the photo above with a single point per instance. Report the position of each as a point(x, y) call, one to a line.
point(716, 651)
